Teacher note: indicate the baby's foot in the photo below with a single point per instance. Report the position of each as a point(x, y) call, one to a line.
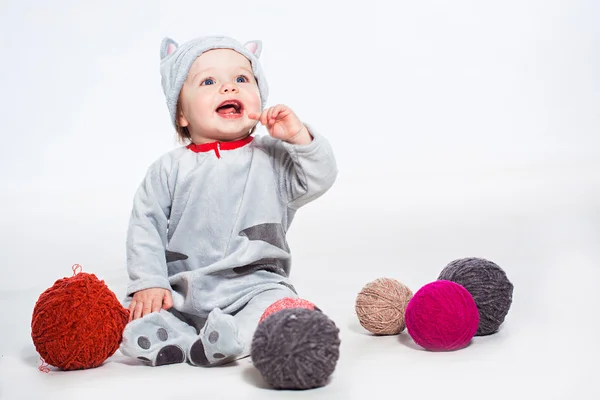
point(218, 342)
point(152, 340)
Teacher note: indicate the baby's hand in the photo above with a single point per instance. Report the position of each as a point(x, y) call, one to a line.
point(149, 300)
point(283, 124)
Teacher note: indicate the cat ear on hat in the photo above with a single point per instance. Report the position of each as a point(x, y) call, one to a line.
point(167, 47)
point(254, 47)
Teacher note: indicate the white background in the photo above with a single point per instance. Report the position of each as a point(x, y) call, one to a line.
point(461, 128)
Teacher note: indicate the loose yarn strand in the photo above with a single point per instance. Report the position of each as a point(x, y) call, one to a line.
point(43, 366)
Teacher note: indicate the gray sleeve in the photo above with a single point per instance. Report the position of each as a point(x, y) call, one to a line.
point(147, 231)
point(305, 171)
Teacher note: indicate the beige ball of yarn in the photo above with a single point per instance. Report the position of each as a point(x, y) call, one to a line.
point(381, 305)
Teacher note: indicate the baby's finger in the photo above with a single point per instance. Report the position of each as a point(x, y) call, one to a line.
point(147, 307)
point(263, 117)
point(282, 112)
point(156, 304)
point(137, 312)
point(271, 111)
point(167, 301)
point(254, 116)
point(131, 309)
point(275, 113)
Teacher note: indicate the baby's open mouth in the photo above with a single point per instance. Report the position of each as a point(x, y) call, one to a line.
point(230, 107)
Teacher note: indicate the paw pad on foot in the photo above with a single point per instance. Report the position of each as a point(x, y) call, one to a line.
point(162, 334)
point(143, 342)
point(197, 354)
point(170, 354)
point(213, 337)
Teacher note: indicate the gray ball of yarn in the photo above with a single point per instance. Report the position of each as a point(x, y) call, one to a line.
point(296, 348)
point(488, 284)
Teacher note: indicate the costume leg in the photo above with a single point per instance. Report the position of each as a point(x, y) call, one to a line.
point(218, 341)
point(247, 318)
point(159, 338)
point(225, 337)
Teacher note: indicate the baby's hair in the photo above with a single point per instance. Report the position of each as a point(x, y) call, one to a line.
point(183, 134)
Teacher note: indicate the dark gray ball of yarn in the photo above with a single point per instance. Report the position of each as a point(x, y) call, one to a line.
point(488, 284)
point(296, 348)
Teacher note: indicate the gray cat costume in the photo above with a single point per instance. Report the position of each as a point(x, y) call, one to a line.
point(209, 223)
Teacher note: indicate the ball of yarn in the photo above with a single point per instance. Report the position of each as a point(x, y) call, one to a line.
point(78, 322)
point(287, 302)
point(296, 348)
point(442, 316)
point(489, 286)
point(381, 304)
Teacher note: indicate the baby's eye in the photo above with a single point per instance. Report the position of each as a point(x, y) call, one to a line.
point(208, 81)
point(241, 79)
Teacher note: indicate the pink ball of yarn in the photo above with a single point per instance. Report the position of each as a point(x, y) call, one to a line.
point(442, 316)
point(287, 302)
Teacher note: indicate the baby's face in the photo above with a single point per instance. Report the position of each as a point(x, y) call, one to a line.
point(217, 96)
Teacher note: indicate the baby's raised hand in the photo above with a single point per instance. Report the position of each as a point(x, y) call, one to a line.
point(149, 300)
point(283, 124)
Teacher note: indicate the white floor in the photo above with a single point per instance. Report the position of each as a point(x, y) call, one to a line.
point(542, 225)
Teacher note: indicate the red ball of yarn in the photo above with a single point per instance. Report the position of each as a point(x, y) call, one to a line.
point(78, 322)
point(287, 302)
point(442, 316)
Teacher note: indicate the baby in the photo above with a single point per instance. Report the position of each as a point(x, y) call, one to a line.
point(206, 243)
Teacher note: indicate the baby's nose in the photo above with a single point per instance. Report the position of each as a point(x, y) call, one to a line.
point(229, 88)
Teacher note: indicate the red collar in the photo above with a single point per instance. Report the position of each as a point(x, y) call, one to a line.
point(218, 146)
